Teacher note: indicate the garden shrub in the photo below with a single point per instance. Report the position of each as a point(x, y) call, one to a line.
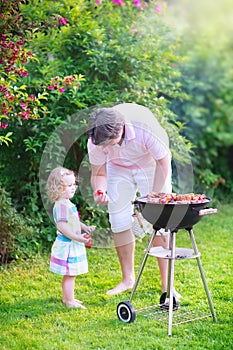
point(18, 239)
point(207, 78)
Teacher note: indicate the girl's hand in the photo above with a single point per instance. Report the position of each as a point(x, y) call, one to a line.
point(88, 243)
point(81, 238)
point(101, 197)
point(88, 229)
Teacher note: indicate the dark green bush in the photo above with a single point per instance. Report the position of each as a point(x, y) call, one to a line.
point(18, 239)
point(207, 77)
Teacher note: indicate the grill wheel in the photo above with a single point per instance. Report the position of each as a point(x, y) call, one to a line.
point(164, 306)
point(126, 312)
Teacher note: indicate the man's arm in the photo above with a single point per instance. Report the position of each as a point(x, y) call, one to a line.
point(99, 183)
point(162, 174)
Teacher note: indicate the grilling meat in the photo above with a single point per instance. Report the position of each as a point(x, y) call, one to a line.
point(174, 198)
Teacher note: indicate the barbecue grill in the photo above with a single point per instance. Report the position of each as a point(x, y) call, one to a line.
point(172, 217)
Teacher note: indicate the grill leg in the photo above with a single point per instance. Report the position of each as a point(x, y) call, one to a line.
point(202, 274)
point(142, 265)
point(170, 286)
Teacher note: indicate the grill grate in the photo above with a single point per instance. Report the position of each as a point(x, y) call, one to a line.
point(180, 316)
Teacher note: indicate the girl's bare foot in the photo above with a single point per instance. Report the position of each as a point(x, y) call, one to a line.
point(75, 304)
point(78, 301)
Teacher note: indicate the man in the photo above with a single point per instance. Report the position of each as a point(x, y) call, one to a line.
point(129, 153)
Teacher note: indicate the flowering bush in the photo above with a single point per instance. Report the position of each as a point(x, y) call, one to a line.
point(16, 101)
point(60, 85)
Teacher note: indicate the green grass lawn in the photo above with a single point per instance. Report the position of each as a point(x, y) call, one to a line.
point(33, 317)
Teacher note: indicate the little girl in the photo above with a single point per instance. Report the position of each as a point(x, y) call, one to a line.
point(68, 255)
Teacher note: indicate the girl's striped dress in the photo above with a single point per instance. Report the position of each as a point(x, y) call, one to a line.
point(68, 257)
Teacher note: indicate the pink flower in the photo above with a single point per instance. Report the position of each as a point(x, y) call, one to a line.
point(118, 2)
point(23, 105)
point(3, 89)
point(98, 2)
point(137, 3)
point(63, 21)
point(135, 31)
point(3, 125)
point(158, 9)
point(32, 97)
point(25, 115)
point(62, 89)
point(10, 97)
point(20, 42)
point(51, 87)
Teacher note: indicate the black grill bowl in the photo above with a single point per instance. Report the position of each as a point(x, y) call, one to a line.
point(171, 216)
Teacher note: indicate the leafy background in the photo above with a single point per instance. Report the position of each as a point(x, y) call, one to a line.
point(169, 56)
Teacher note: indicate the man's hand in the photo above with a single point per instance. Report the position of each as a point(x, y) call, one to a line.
point(101, 197)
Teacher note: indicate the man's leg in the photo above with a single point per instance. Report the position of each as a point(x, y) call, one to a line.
point(163, 263)
point(125, 246)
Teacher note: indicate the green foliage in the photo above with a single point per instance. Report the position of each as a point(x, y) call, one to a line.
point(207, 78)
point(5, 139)
point(18, 239)
point(117, 54)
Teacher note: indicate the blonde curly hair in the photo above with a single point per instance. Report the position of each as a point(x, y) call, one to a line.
point(56, 185)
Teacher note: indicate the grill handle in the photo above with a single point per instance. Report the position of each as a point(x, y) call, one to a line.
point(207, 211)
